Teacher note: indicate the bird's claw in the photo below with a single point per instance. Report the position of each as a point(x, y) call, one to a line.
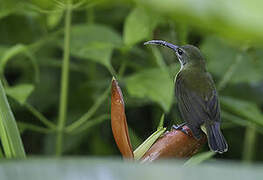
point(180, 128)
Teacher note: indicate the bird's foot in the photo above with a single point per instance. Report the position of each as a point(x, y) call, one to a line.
point(180, 128)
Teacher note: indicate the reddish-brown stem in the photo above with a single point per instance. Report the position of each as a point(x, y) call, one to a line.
point(174, 144)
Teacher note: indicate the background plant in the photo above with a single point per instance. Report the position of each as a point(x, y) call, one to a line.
point(57, 59)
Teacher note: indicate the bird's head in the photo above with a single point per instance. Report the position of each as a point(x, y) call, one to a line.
point(187, 54)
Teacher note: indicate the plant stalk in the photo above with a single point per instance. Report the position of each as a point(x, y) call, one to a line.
point(249, 143)
point(64, 82)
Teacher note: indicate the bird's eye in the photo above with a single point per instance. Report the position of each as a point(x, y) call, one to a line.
point(180, 51)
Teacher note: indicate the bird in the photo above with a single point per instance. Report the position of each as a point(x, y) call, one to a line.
point(196, 95)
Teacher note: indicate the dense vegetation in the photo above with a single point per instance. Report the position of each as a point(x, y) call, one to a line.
point(57, 61)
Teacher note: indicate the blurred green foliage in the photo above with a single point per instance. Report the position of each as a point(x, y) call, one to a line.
point(106, 39)
point(112, 169)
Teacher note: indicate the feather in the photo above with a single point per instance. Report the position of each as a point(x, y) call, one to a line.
point(198, 104)
point(216, 139)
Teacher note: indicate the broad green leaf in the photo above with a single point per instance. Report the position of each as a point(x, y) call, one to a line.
point(2, 50)
point(222, 57)
point(234, 118)
point(9, 53)
point(199, 158)
point(10, 137)
point(94, 42)
point(154, 84)
point(145, 146)
point(139, 25)
point(11, 7)
point(7, 8)
point(6, 54)
point(113, 169)
point(242, 108)
point(237, 120)
point(158, 58)
point(47, 4)
point(5, 12)
point(240, 20)
point(20, 92)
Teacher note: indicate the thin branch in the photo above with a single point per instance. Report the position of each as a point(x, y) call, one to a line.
point(91, 123)
point(40, 116)
point(34, 128)
point(90, 113)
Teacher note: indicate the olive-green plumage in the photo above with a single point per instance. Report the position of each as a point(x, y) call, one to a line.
point(196, 95)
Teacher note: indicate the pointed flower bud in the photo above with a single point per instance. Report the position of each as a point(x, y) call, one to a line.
point(118, 121)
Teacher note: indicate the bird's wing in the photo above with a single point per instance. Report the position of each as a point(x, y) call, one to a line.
point(196, 108)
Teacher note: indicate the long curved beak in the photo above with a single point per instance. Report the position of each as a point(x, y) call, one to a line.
point(163, 43)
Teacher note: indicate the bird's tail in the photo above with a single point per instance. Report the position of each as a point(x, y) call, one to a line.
point(216, 140)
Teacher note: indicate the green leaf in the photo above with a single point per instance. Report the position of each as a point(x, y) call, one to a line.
point(242, 108)
point(1, 153)
point(7, 8)
point(161, 122)
point(154, 84)
point(9, 53)
point(94, 42)
point(139, 25)
point(53, 19)
point(6, 12)
point(222, 57)
point(135, 138)
point(158, 58)
point(199, 158)
point(237, 120)
point(145, 146)
point(10, 137)
point(238, 20)
point(234, 119)
point(20, 92)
